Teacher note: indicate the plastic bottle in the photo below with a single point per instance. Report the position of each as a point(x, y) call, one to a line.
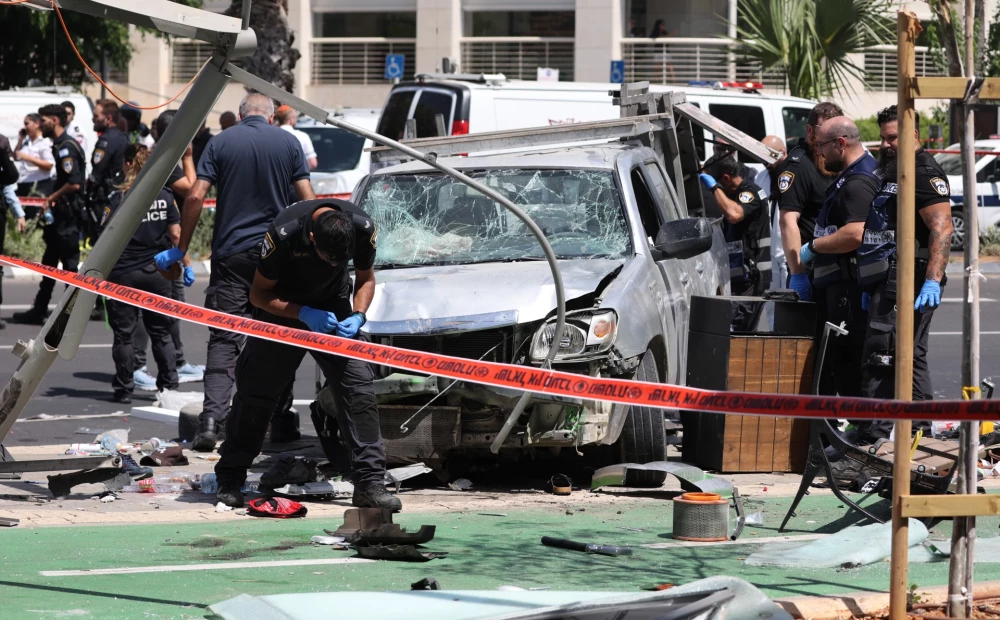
point(47, 218)
point(150, 446)
point(110, 444)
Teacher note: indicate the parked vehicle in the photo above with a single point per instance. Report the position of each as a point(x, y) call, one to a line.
point(987, 188)
point(341, 154)
point(16, 104)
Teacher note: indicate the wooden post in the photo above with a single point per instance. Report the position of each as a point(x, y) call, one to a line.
point(908, 27)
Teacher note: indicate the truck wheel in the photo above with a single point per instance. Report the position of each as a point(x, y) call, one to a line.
point(643, 439)
point(958, 232)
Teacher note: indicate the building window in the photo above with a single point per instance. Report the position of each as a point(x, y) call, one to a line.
point(401, 25)
point(520, 23)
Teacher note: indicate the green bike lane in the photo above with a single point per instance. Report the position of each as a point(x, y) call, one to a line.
point(485, 552)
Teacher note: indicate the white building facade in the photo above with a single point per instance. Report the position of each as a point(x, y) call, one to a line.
point(344, 44)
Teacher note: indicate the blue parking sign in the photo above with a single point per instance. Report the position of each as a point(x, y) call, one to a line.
point(394, 64)
point(617, 71)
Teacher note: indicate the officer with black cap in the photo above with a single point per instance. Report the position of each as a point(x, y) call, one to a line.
point(302, 281)
point(62, 233)
point(832, 252)
point(877, 271)
point(748, 235)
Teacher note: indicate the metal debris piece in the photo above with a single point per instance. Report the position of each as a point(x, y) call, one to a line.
point(399, 553)
point(690, 477)
point(561, 543)
point(427, 583)
point(392, 534)
point(462, 484)
point(361, 519)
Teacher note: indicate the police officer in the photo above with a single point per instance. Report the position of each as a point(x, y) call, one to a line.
point(159, 230)
point(62, 233)
point(877, 269)
point(302, 281)
point(748, 236)
point(106, 165)
point(802, 184)
point(72, 127)
point(832, 252)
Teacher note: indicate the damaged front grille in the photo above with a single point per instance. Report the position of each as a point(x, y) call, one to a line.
point(492, 345)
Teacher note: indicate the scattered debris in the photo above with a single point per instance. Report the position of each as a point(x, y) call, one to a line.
point(8, 522)
point(692, 479)
point(213, 456)
point(392, 534)
point(46, 417)
point(560, 543)
point(220, 507)
point(561, 484)
point(174, 400)
point(493, 514)
point(462, 484)
point(275, 507)
point(165, 456)
point(108, 498)
point(241, 512)
point(427, 583)
point(327, 540)
point(850, 547)
point(400, 553)
point(631, 529)
point(332, 488)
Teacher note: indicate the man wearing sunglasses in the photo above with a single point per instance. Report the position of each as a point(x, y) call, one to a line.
point(302, 281)
point(840, 227)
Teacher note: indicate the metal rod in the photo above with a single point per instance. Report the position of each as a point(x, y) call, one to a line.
point(431, 160)
point(246, 15)
point(907, 29)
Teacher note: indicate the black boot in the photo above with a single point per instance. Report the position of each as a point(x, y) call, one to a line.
point(209, 432)
point(98, 313)
point(35, 316)
point(375, 495)
point(231, 495)
point(285, 427)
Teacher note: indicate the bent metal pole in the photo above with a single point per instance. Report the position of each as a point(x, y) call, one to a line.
point(431, 160)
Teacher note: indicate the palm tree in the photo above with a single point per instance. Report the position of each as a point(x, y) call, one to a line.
point(811, 42)
point(275, 57)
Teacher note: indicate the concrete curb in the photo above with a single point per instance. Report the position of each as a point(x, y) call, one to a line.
point(861, 604)
point(202, 268)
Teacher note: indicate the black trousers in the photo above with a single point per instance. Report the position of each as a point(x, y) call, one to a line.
point(263, 374)
point(141, 338)
point(3, 236)
point(62, 245)
point(123, 319)
point(842, 364)
point(39, 189)
point(878, 370)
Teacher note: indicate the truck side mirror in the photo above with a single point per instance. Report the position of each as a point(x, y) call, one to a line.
point(685, 238)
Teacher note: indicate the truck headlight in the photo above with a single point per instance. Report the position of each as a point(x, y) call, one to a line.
point(584, 333)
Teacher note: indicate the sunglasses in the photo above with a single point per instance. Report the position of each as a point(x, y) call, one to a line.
point(825, 142)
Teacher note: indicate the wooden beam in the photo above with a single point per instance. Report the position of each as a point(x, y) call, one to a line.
point(938, 87)
point(920, 506)
point(990, 89)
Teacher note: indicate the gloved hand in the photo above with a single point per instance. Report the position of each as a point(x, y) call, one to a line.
point(318, 320)
point(708, 180)
point(929, 297)
point(866, 301)
point(348, 328)
point(807, 255)
point(188, 276)
point(799, 282)
point(167, 258)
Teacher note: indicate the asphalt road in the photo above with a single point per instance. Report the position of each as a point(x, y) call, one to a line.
point(83, 386)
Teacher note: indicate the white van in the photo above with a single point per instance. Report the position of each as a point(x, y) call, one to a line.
point(474, 104)
point(341, 154)
point(987, 187)
point(16, 104)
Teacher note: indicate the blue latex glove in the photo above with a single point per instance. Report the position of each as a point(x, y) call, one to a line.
point(799, 282)
point(318, 320)
point(807, 255)
point(929, 297)
point(866, 301)
point(348, 328)
point(188, 276)
point(168, 258)
point(708, 180)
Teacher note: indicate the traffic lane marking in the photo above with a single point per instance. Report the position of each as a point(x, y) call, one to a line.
point(190, 567)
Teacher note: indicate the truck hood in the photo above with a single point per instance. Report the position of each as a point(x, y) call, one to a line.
point(440, 299)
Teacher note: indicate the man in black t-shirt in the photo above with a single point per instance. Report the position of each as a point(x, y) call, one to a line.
point(159, 230)
point(802, 184)
point(302, 281)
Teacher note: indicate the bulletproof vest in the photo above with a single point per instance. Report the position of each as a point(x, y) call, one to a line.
point(832, 268)
point(750, 250)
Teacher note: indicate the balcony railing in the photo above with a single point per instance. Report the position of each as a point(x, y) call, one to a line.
point(518, 57)
point(359, 60)
point(187, 58)
point(882, 67)
point(679, 61)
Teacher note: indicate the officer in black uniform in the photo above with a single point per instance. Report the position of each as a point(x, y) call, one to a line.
point(159, 230)
point(302, 281)
point(802, 184)
point(62, 234)
point(747, 232)
point(832, 252)
point(106, 165)
point(877, 271)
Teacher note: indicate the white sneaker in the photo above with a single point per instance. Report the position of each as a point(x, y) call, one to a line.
point(190, 373)
point(143, 380)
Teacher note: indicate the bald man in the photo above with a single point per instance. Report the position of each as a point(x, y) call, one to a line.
point(767, 180)
point(840, 227)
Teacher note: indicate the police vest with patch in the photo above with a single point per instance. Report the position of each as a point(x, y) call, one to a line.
point(749, 244)
point(832, 268)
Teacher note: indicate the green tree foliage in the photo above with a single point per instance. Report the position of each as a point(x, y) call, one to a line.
point(34, 46)
point(811, 42)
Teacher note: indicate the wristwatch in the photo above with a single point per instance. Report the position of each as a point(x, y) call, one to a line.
point(364, 318)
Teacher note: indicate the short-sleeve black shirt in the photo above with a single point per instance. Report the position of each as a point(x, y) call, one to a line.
point(932, 188)
point(151, 236)
point(71, 165)
point(802, 189)
point(287, 254)
point(748, 196)
point(109, 153)
point(853, 200)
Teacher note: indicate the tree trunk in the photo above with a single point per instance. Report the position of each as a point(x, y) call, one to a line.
point(275, 57)
point(949, 38)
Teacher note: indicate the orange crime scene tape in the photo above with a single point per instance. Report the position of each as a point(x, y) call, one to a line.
point(532, 379)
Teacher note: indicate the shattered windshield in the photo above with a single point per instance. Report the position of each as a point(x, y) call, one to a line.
point(428, 218)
